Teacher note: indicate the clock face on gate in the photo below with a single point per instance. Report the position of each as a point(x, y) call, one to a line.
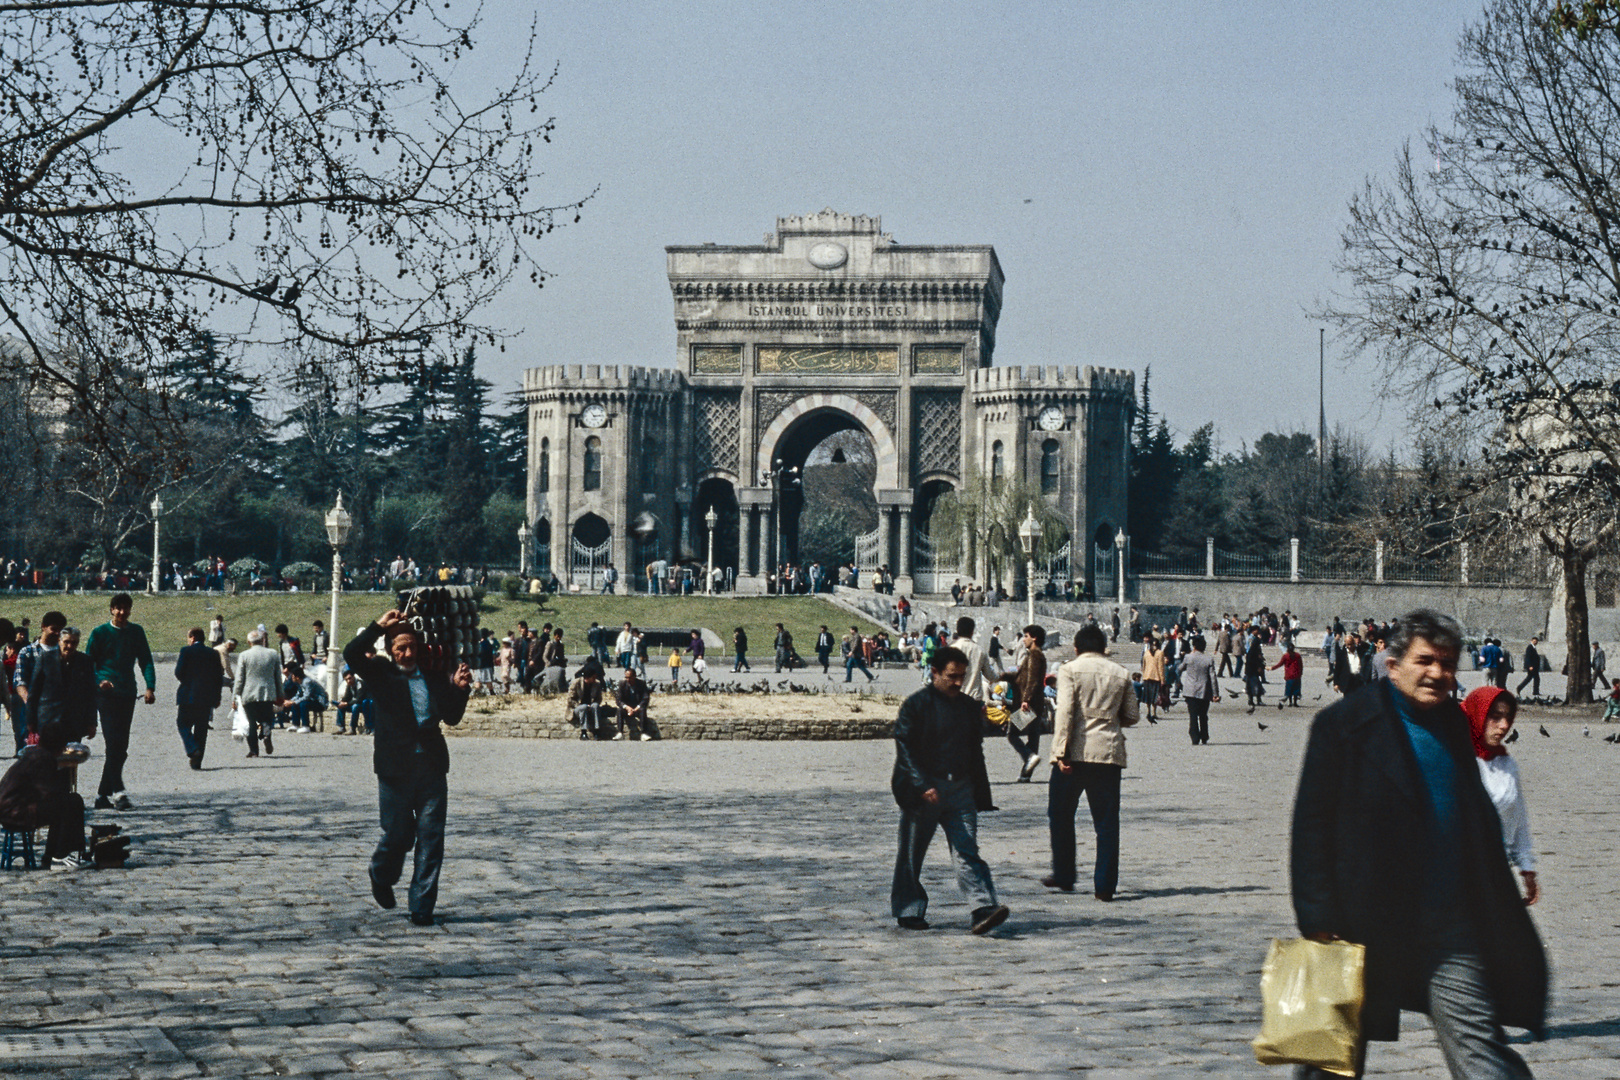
point(1050, 419)
point(593, 416)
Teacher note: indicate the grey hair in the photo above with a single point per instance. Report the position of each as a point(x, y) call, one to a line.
point(1439, 630)
point(255, 637)
point(70, 631)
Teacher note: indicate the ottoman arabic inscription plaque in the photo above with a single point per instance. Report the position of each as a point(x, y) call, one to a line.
point(717, 360)
point(814, 360)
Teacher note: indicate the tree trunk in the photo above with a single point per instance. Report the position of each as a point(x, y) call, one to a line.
point(1578, 688)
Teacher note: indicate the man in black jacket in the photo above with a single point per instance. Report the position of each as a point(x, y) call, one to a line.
point(201, 678)
point(62, 690)
point(409, 757)
point(940, 781)
point(1532, 669)
point(1396, 846)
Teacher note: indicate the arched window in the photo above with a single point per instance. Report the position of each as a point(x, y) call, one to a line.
point(998, 466)
point(1049, 467)
point(593, 464)
point(545, 466)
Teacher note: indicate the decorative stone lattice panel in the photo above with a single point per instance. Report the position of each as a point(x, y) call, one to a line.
point(938, 432)
point(718, 418)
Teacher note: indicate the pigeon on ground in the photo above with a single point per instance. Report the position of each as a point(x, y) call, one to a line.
point(1615, 738)
point(1261, 726)
point(1513, 736)
point(1545, 733)
point(1586, 733)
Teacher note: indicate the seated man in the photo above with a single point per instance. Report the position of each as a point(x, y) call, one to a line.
point(352, 698)
point(35, 793)
point(634, 695)
point(584, 703)
point(305, 698)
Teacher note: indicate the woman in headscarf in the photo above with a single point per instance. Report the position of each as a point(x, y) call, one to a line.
point(1491, 711)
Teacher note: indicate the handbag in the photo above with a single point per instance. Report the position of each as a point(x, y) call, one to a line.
point(1312, 993)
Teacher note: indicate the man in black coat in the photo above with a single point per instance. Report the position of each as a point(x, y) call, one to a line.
point(62, 690)
point(1396, 846)
point(409, 757)
point(201, 677)
point(940, 781)
point(1532, 669)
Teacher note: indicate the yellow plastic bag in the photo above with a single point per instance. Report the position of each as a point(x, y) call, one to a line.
point(1312, 992)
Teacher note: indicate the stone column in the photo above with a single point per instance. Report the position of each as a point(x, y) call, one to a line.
point(765, 537)
point(1463, 547)
point(905, 542)
point(1293, 558)
point(744, 517)
point(1378, 562)
point(683, 511)
point(1209, 557)
point(885, 538)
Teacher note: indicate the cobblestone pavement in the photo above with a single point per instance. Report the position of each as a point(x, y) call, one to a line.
point(715, 909)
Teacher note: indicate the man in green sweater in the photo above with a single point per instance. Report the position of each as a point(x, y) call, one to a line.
point(116, 647)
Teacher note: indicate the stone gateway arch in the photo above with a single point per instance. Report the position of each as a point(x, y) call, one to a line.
point(827, 326)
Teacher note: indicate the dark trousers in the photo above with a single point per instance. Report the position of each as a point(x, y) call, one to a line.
point(18, 709)
point(1101, 786)
point(1198, 719)
point(261, 715)
point(117, 712)
point(741, 663)
point(1532, 677)
point(1027, 741)
point(826, 659)
point(856, 660)
point(193, 723)
point(411, 808)
point(956, 814)
point(63, 813)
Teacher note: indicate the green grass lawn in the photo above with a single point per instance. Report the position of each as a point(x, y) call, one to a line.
point(168, 616)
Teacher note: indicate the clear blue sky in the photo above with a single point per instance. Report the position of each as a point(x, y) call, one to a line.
point(1164, 185)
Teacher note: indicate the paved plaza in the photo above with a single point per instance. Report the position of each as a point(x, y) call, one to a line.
point(717, 909)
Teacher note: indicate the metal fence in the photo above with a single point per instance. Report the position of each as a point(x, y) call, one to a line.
point(1455, 565)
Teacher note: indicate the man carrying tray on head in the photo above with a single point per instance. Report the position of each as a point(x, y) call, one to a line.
point(409, 756)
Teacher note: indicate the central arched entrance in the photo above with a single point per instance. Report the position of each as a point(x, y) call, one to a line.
point(825, 461)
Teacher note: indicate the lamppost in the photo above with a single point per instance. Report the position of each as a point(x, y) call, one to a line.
point(338, 523)
point(523, 551)
point(157, 512)
point(1028, 533)
point(1119, 560)
point(781, 481)
point(711, 519)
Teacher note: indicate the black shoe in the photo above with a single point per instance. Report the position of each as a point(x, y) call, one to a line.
point(196, 762)
point(987, 919)
point(102, 803)
point(1105, 897)
point(267, 747)
point(1053, 883)
point(253, 753)
point(420, 918)
point(383, 894)
point(913, 922)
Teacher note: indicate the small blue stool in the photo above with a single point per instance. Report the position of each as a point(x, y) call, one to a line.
point(8, 853)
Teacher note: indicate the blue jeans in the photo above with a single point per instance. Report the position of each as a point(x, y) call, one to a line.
point(960, 820)
point(412, 808)
point(853, 661)
point(1464, 1018)
point(1101, 786)
point(362, 712)
point(193, 724)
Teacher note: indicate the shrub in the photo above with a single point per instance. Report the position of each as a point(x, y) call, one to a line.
point(247, 567)
point(510, 584)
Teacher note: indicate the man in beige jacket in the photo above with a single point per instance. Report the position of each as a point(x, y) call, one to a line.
point(1095, 704)
point(980, 675)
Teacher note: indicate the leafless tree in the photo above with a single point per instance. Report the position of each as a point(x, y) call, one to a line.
point(1489, 284)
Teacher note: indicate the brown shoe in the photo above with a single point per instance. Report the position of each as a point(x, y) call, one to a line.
point(988, 918)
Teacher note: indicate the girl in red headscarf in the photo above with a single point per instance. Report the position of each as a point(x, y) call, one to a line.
point(1491, 711)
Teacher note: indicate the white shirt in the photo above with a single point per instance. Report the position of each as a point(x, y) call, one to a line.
point(1501, 778)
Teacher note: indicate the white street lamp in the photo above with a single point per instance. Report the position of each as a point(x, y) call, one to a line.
point(1119, 559)
point(338, 523)
point(711, 519)
point(1028, 533)
point(157, 575)
point(523, 551)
